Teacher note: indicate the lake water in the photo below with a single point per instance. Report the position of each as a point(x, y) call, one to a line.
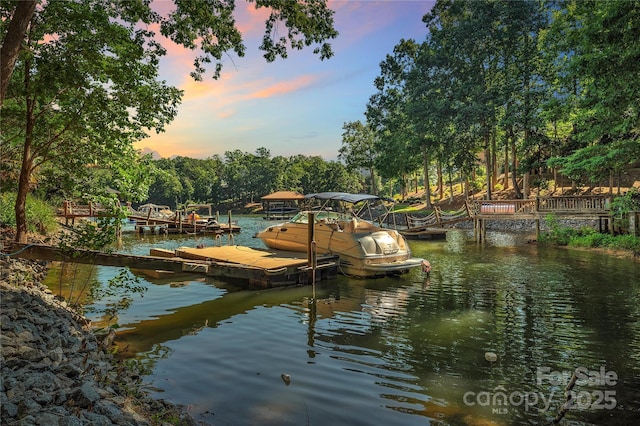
point(410, 350)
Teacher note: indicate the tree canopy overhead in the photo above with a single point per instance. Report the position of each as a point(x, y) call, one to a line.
point(85, 85)
point(549, 86)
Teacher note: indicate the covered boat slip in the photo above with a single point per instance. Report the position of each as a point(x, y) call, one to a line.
point(281, 205)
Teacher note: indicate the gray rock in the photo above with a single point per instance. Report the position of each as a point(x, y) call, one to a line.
point(94, 419)
point(86, 395)
point(70, 421)
point(53, 371)
point(29, 406)
point(9, 409)
point(47, 419)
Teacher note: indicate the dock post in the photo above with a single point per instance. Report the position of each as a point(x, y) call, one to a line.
point(311, 260)
point(484, 230)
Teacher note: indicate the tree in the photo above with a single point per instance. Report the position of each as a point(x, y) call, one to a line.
point(358, 150)
point(85, 84)
point(388, 114)
point(12, 40)
point(600, 70)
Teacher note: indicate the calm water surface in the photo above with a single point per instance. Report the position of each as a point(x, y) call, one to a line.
point(398, 351)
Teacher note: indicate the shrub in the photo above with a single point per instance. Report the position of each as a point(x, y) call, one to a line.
point(593, 239)
point(628, 242)
point(587, 237)
point(556, 234)
point(40, 215)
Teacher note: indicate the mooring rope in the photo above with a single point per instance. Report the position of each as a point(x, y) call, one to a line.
point(18, 252)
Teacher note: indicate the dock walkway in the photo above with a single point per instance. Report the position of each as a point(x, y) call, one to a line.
point(151, 221)
point(259, 268)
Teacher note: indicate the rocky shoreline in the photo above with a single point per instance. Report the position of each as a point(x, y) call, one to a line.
point(55, 371)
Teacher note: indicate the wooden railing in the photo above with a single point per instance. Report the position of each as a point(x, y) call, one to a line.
point(501, 207)
point(577, 204)
point(72, 210)
point(574, 205)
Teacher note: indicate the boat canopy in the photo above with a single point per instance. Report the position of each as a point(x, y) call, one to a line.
point(345, 196)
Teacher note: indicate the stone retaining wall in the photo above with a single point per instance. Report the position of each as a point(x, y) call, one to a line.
point(56, 372)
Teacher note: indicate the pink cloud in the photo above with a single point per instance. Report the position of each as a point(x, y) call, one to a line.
point(250, 21)
point(284, 87)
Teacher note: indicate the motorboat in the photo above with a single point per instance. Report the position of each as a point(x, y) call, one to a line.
point(366, 249)
point(155, 211)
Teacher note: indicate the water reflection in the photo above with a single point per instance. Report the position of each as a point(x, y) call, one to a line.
point(407, 350)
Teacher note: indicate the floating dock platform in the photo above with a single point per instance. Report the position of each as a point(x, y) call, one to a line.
point(260, 268)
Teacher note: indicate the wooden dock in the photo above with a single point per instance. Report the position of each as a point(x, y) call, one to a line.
point(150, 221)
point(257, 267)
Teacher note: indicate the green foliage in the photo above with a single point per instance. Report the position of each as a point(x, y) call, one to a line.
point(86, 84)
point(557, 234)
point(245, 177)
point(40, 215)
point(539, 78)
point(118, 291)
point(358, 151)
point(100, 236)
point(587, 237)
point(622, 205)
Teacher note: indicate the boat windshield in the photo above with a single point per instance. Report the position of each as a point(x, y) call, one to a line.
point(321, 215)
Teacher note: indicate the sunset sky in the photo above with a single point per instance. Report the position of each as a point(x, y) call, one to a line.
point(291, 106)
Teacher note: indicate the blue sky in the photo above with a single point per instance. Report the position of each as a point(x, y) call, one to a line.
point(292, 106)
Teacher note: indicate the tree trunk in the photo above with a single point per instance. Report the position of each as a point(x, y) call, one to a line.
point(23, 186)
point(466, 187)
point(12, 41)
point(525, 184)
point(610, 181)
point(494, 160)
point(450, 184)
point(440, 181)
point(514, 165)
point(427, 186)
point(487, 160)
point(27, 165)
point(374, 185)
point(505, 181)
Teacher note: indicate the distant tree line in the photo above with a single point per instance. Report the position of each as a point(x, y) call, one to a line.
point(241, 178)
point(516, 87)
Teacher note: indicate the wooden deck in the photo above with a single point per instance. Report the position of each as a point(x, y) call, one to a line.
point(257, 267)
point(149, 222)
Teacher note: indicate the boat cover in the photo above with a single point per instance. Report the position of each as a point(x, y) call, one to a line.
point(345, 196)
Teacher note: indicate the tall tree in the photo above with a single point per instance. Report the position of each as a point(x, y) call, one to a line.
point(397, 141)
point(358, 150)
point(598, 41)
point(11, 45)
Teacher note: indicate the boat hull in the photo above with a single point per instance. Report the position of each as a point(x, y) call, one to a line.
point(366, 252)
